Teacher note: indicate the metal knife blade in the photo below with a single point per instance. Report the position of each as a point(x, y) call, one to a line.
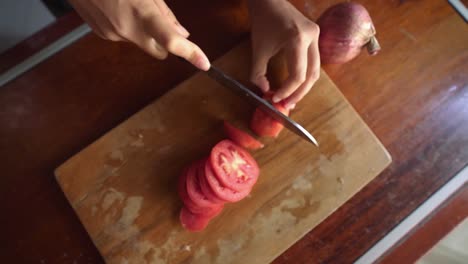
point(256, 100)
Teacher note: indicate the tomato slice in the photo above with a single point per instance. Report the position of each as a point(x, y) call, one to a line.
point(266, 126)
point(189, 203)
point(234, 167)
point(194, 190)
point(205, 186)
point(193, 222)
point(242, 138)
point(219, 190)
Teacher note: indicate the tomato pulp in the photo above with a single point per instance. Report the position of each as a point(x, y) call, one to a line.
point(194, 190)
point(189, 203)
point(266, 126)
point(242, 138)
point(234, 167)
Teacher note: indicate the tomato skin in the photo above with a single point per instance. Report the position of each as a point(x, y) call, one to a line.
point(220, 191)
point(226, 175)
point(242, 138)
point(192, 222)
point(266, 126)
point(206, 188)
point(194, 190)
point(189, 203)
point(234, 167)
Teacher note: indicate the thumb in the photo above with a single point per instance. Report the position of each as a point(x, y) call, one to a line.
point(188, 50)
point(174, 43)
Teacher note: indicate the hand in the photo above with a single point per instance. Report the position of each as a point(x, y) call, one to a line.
point(279, 26)
point(149, 24)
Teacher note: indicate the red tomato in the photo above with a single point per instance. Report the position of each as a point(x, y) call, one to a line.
point(219, 190)
point(234, 167)
point(266, 126)
point(242, 138)
point(194, 190)
point(193, 222)
point(189, 203)
point(206, 188)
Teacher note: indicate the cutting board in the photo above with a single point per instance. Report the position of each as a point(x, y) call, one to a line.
point(123, 186)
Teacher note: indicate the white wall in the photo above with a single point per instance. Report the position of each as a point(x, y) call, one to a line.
point(20, 19)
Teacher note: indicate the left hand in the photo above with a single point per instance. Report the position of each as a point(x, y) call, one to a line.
point(279, 26)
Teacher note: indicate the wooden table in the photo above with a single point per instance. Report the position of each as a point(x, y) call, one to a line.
point(414, 96)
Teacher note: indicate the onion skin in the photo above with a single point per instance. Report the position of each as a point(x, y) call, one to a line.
point(345, 29)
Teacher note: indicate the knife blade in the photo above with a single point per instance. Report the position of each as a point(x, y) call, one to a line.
point(257, 101)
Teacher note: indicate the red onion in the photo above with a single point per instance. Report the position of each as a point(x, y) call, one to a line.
point(345, 29)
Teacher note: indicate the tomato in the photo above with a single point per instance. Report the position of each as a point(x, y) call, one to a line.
point(189, 203)
point(193, 222)
point(193, 186)
point(234, 167)
point(206, 188)
point(242, 138)
point(219, 190)
point(266, 126)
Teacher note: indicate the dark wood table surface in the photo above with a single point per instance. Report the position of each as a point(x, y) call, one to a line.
point(413, 95)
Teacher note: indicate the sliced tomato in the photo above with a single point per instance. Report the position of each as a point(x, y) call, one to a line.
point(266, 126)
point(234, 167)
point(205, 186)
point(189, 203)
point(242, 138)
point(194, 190)
point(193, 222)
point(221, 191)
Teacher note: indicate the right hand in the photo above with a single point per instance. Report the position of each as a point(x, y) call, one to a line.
point(149, 24)
point(278, 26)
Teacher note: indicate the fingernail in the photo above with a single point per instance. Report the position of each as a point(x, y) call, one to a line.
point(276, 99)
point(202, 63)
point(263, 84)
point(290, 106)
point(184, 32)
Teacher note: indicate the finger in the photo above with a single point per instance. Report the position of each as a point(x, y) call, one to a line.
point(152, 47)
point(313, 73)
point(258, 72)
point(165, 10)
point(186, 49)
point(174, 43)
point(296, 56)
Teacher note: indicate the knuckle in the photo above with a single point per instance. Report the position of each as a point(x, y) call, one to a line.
point(123, 31)
point(142, 12)
point(298, 78)
point(170, 43)
point(313, 29)
point(109, 35)
point(160, 54)
point(155, 49)
point(315, 75)
point(302, 38)
point(295, 31)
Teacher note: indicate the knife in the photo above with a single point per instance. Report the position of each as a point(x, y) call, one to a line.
point(257, 101)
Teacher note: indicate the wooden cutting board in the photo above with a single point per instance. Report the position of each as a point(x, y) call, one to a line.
point(123, 186)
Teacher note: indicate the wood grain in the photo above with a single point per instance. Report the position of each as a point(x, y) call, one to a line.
point(123, 186)
point(413, 95)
